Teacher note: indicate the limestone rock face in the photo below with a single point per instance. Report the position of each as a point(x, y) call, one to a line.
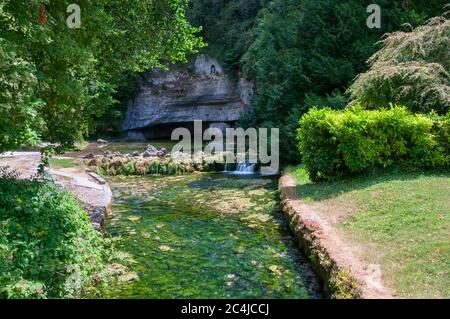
point(198, 92)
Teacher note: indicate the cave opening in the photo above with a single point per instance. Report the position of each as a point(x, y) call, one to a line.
point(164, 131)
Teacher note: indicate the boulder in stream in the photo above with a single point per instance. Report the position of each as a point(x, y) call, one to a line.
point(151, 151)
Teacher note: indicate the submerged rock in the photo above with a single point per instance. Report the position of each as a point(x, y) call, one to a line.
point(134, 218)
point(277, 270)
point(165, 248)
point(128, 277)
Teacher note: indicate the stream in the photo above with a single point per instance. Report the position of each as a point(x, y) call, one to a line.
point(208, 235)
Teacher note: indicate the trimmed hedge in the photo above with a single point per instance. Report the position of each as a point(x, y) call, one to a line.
point(336, 144)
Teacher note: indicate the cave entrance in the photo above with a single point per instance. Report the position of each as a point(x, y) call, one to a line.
point(164, 131)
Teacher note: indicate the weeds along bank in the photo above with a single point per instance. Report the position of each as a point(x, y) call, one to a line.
point(120, 164)
point(48, 247)
point(140, 164)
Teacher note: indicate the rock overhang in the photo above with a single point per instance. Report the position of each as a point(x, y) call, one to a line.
point(176, 96)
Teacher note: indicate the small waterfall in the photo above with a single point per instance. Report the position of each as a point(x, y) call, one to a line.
point(242, 168)
point(245, 168)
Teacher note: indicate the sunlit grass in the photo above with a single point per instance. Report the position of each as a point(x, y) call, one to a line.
point(404, 215)
point(62, 162)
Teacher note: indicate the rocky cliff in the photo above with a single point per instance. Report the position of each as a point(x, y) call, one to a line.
point(176, 98)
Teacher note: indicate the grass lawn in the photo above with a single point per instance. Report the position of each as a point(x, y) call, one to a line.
point(401, 218)
point(62, 162)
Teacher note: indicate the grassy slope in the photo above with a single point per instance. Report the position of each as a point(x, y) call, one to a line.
point(404, 216)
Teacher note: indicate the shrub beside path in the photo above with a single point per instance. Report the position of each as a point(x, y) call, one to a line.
point(91, 190)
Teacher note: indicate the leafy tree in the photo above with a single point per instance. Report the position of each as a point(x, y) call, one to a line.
point(18, 121)
point(55, 80)
point(226, 27)
point(412, 68)
point(309, 51)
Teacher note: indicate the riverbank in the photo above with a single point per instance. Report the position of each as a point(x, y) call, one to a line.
point(90, 189)
point(154, 161)
point(387, 233)
point(48, 245)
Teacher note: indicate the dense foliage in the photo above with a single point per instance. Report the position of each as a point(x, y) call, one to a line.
point(18, 103)
point(412, 69)
point(48, 247)
point(54, 80)
point(336, 144)
point(305, 53)
point(226, 27)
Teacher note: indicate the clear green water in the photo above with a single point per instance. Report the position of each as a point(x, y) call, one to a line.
point(205, 236)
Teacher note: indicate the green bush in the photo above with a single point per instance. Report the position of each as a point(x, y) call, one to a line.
point(129, 169)
point(335, 144)
point(48, 247)
point(442, 129)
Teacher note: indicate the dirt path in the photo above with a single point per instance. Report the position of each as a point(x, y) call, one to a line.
point(91, 190)
point(332, 253)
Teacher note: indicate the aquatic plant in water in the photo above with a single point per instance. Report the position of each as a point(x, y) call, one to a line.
point(204, 236)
